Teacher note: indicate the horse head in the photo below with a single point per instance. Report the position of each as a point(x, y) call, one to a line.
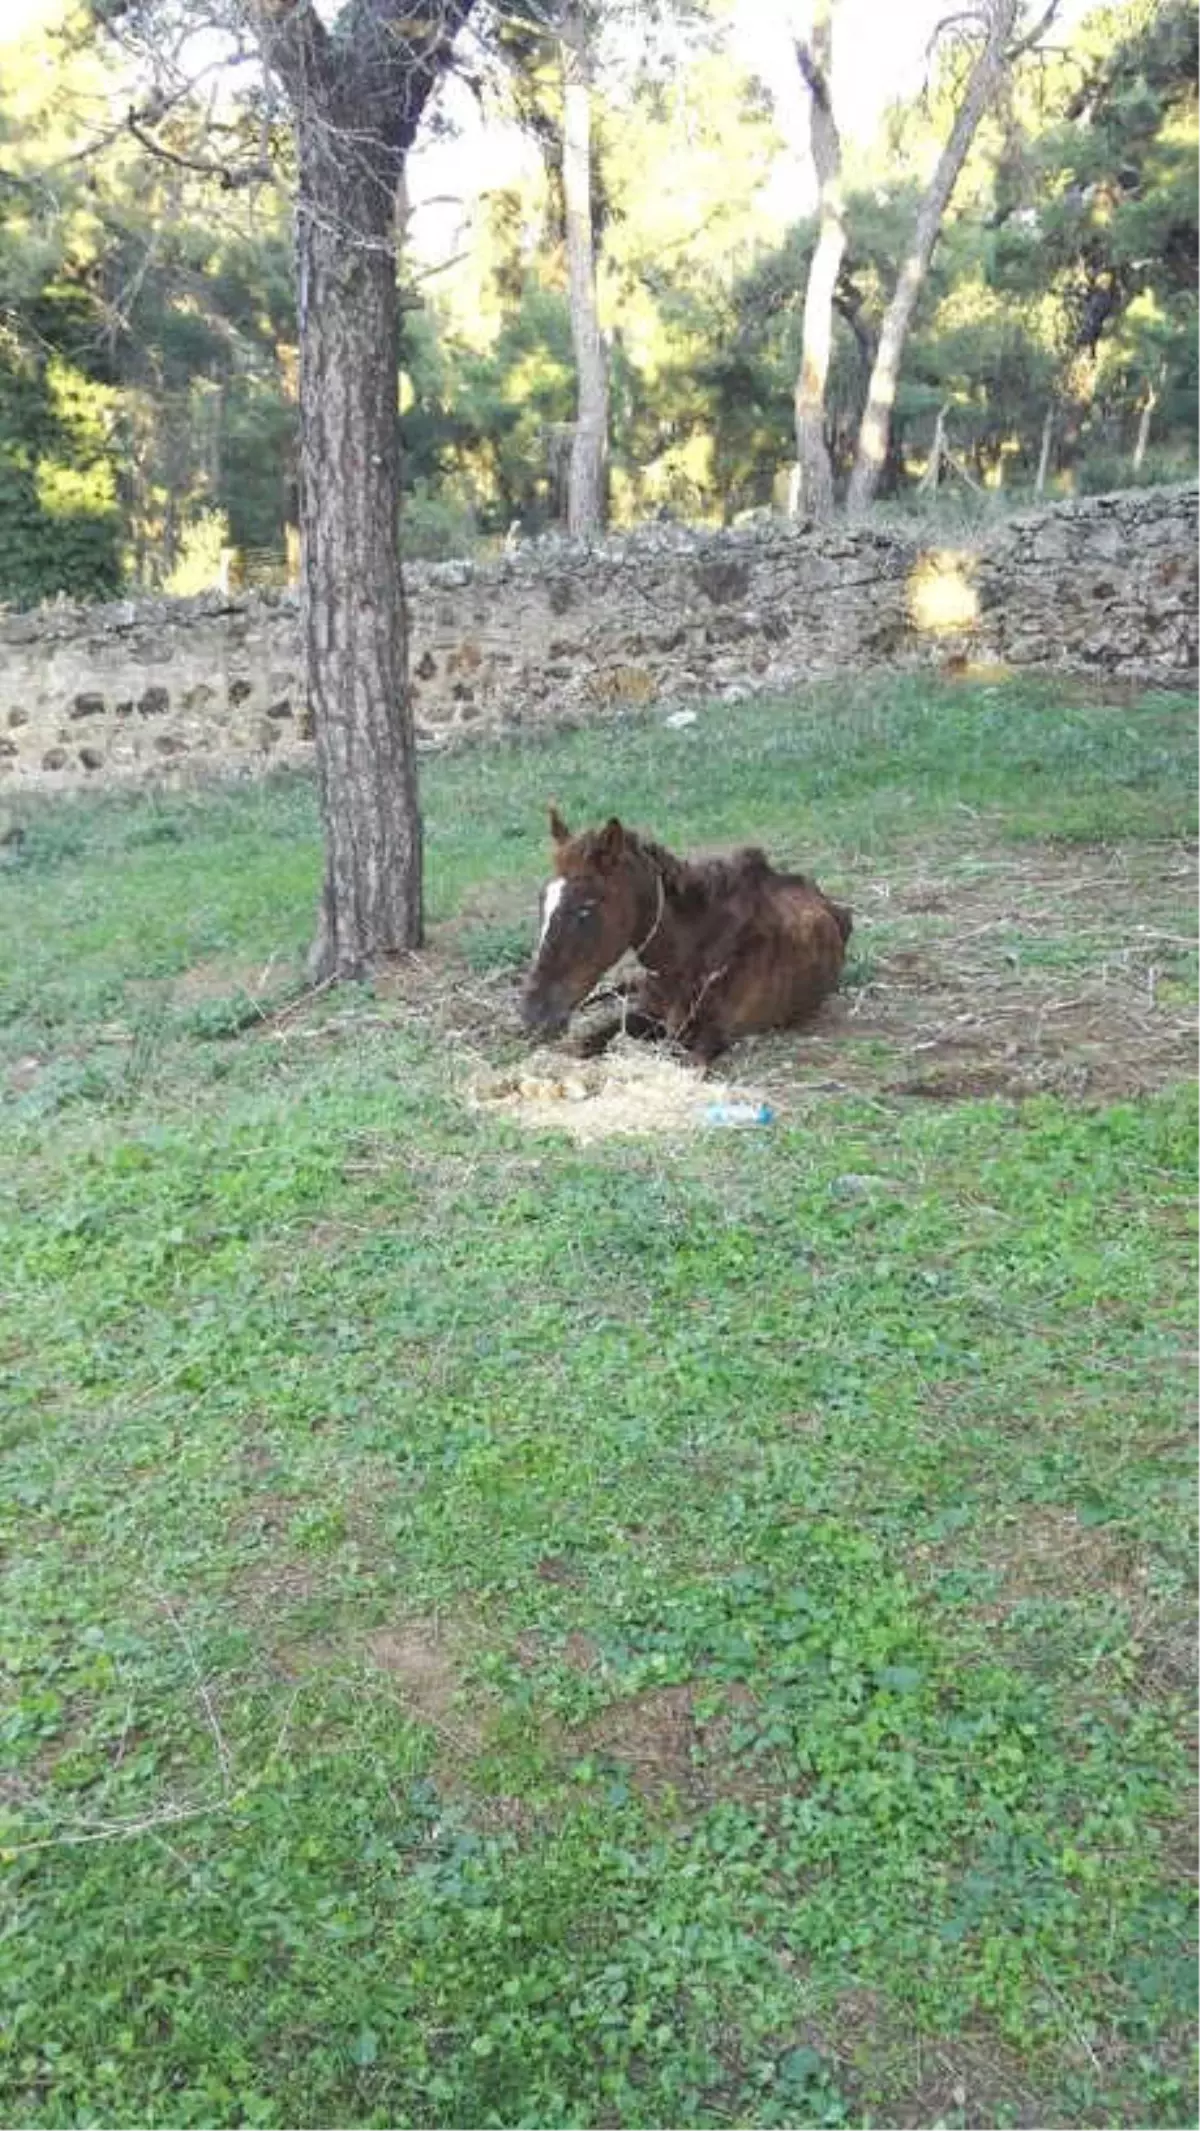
point(590, 913)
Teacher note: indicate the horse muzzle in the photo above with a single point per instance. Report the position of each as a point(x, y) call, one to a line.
point(543, 1016)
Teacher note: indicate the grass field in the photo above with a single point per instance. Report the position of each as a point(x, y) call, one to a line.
point(694, 1630)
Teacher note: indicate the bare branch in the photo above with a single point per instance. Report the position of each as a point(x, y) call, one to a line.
point(974, 21)
point(1033, 36)
point(230, 177)
point(418, 72)
point(443, 266)
point(971, 17)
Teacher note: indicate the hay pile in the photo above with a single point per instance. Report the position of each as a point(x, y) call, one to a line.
point(631, 1089)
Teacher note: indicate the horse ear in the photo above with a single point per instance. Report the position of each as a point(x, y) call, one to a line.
point(558, 827)
point(610, 842)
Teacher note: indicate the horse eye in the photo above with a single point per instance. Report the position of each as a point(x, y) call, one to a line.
point(582, 912)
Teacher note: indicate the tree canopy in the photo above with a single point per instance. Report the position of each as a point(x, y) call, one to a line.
point(147, 315)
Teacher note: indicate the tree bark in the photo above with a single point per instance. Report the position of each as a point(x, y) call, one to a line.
point(813, 489)
point(356, 102)
point(589, 446)
point(351, 600)
point(876, 423)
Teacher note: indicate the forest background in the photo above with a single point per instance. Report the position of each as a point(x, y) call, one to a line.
point(148, 367)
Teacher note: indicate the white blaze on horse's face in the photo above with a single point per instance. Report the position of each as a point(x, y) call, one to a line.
point(552, 895)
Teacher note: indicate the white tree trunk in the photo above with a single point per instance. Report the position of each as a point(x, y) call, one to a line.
point(1145, 417)
point(814, 486)
point(1043, 468)
point(875, 431)
point(589, 447)
point(931, 478)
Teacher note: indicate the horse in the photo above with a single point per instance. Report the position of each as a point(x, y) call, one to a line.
point(727, 946)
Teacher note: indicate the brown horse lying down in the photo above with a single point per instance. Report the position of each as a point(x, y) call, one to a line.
point(726, 946)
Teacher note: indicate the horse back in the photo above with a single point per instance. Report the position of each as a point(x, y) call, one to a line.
point(806, 888)
point(794, 948)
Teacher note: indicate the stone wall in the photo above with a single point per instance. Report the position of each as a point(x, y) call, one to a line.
point(557, 632)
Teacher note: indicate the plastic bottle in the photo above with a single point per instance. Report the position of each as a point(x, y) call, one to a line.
point(738, 1113)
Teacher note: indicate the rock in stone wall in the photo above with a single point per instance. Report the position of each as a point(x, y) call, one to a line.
point(558, 632)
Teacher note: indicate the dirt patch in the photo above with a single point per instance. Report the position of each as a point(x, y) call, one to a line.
point(970, 2080)
point(555, 1569)
point(654, 1734)
point(895, 2075)
point(419, 1662)
point(534, 1649)
point(1047, 1556)
point(327, 1238)
point(1164, 1634)
point(1048, 1553)
point(662, 1742)
point(272, 1586)
point(24, 1074)
point(581, 1653)
point(1014, 974)
point(950, 1086)
point(266, 1515)
point(633, 1089)
point(420, 1667)
point(1045, 1552)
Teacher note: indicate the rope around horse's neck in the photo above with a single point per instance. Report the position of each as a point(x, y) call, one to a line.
point(642, 945)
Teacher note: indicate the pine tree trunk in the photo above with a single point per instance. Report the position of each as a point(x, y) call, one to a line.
point(357, 95)
point(352, 605)
point(813, 491)
point(876, 423)
point(589, 447)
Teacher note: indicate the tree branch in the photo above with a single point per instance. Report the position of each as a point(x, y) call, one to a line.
point(976, 19)
point(295, 45)
point(971, 15)
point(1033, 36)
point(381, 69)
point(230, 177)
point(421, 78)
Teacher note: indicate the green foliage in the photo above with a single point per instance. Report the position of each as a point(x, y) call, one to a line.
point(1098, 226)
point(59, 523)
point(506, 406)
point(671, 1632)
point(435, 526)
point(68, 548)
point(199, 560)
point(148, 358)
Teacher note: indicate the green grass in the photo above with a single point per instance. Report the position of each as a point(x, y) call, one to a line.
point(673, 1633)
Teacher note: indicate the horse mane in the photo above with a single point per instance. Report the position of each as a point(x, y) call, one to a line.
point(694, 884)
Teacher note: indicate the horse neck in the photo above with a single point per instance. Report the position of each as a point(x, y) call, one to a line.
point(662, 881)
